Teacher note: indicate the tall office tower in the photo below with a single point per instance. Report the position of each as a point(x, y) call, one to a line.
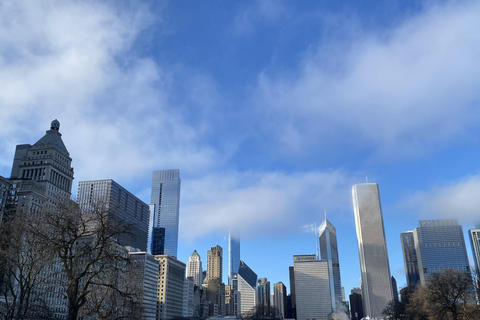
point(232, 299)
point(280, 298)
point(121, 204)
point(440, 245)
point(144, 275)
point(474, 235)
point(356, 306)
point(233, 255)
point(188, 293)
point(263, 295)
point(291, 273)
point(171, 282)
point(312, 288)
point(215, 262)
point(372, 248)
point(246, 282)
point(166, 201)
point(327, 236)
point(410, 258)
point(5, 189)
point(194, 268)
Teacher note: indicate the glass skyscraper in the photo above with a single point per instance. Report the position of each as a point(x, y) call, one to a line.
point(166, 206)
point(329, 252)
point(233, 256)
point(440, 245)
point(410, 258)
point(474, 235)
point(372, 248)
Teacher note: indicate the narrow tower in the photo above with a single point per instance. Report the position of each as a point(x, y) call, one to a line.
point(372, 248)
point(233, 256)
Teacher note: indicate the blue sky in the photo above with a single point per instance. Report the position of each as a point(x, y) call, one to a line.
point(272, 110)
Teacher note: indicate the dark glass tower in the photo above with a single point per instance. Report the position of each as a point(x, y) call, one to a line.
point(166, 208)
point(410, 258)
point(233, 256)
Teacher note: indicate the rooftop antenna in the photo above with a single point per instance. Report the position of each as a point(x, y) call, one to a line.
point(316, 238)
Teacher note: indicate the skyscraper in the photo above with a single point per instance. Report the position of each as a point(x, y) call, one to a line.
point(372, 248)
point(120, 204)
point(215, 263)
point(263, 295)
point(312, 288)
point(474, 235)
point(246, 284)
point(410, 258)
point(194, 268)
point(280, 298)
point(440, 245)
point(166, 201)
point(327, 236)
point(233, 256)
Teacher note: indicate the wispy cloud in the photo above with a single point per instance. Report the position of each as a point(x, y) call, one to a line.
point(457, 199)
point(75, 61)
point(261, 11)
point(402, 92)
point(261, 202)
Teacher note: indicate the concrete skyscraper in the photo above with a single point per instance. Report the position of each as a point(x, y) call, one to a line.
point(166, 207)
point(440, 245)
point(327, 236)
point(194, 268)
point(410, 258)
point(280, 298)
point(121, 204)
point(215, 262)
point(246, 284)
point(233, 256)
point(372, 248)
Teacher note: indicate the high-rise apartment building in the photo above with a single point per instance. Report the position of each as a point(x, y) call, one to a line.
point(166, 207)
point(194, 268)
point(246, 284)
point(171, 282)
point(312, 288)
point(215, 263)
point(410, 258)
point(440, 245)
point(121, 204)
point(372, 248)
point(329, 252)
point(474, 235)
point(280, 298)
point(233, 255)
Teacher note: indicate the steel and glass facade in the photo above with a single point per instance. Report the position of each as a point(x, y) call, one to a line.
point(372, 248)
point(410, 258)
point(166, 201)
point(233, 256)
point(440, 245)
point(474, 235)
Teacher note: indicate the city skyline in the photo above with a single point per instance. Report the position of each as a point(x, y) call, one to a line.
point(272, 110)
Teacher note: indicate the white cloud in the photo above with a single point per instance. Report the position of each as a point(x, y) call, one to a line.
point(402, 93)
point(261, 11)
point(266, 203)
point(75, 61)
point(458, 199)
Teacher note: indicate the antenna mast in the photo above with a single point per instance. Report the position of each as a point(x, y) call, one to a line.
point(316, 239)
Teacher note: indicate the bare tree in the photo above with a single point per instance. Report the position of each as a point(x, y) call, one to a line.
point(86, 246)
point(22, 261)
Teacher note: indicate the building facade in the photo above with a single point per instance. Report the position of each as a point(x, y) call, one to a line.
point(263, 296)
point(194, 268)
point(327, 236)
point(280, 298)
point(410, 258)
point(312, 288)
point(372, 248)
point(233, 255)
point(440, 245)
point(171, 282)
point(121, 204)
point(474, 235)
point(166, 210)
point(246, 284)
point(215, 263)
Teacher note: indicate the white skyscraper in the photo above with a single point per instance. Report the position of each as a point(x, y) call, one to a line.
point(194, 268)
point(312, 288)
point(372, 248)
point(166, 201)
